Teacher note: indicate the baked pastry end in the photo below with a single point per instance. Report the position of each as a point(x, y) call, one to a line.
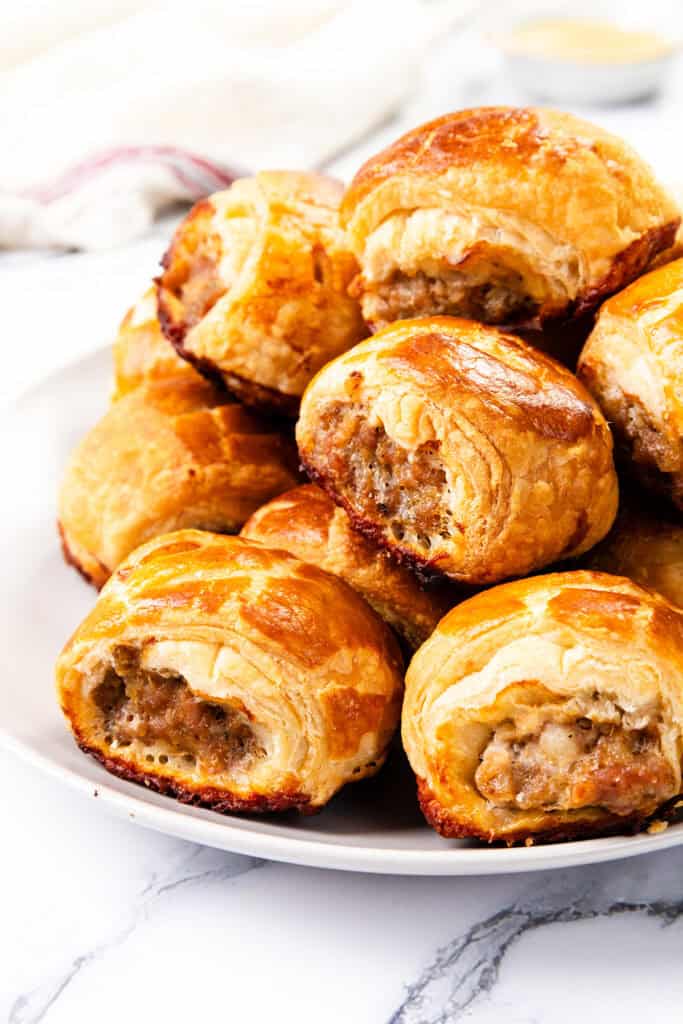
point(231, 676)
point(548, 709)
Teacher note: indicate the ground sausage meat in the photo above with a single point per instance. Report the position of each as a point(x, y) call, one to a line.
point(452, 293)
point(193, 273)
point(402, 491)
point(555, 761)
point(138, 704)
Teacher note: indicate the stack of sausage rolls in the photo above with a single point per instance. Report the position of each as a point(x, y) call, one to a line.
point(401, 458)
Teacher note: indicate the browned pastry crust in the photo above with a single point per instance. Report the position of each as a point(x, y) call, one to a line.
point(142, 354)
point(307, 523)
point(254, 287)
point(231, 676)
point(646, 546)
point(211, 797)
point(506, 215)
point(460, 449)
point(675, 251)
point(443, 823)
point(549, 708)
point(633, 364)
point(99, 572)
point(167, 455)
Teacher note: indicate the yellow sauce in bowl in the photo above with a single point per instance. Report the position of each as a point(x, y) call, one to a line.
point(584, 41)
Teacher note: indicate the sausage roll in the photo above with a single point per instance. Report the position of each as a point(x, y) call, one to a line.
point(254, 286)
point(506, 215)
point(231, 676)
point(645, 548)
point(142, 353)
point(460, 449)
point(168, 455)
point(548, 708)
point(307, 523)
point(633, 364)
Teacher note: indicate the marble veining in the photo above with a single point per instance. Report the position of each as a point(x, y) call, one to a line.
point(398, 950)
point(467, 968)
point(202, 865)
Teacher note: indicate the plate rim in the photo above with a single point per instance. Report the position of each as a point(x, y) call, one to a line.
point(333, 854)
point(170, 817)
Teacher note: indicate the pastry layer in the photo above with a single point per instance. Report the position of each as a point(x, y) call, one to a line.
point(254, 290)
point(460, 449)
point(172, 453)
point(548, 708)
point(633, 365)
point(307, 523)
point(507, 215)
point(231, 675)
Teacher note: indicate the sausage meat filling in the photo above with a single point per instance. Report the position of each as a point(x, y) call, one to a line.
point(193, 273)
point(404, 492)
point(555, 758)
point(141, 705)
point(452, 293)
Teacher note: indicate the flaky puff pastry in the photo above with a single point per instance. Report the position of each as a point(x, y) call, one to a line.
point(307, 523)
point(169, 455)
point(506, 215)
point(460, 449)
point(645, 547)
point(231, 676)
point(633, 365)
point(254, 287)
point(142, 354)
point(675, 251)
point(548, 708)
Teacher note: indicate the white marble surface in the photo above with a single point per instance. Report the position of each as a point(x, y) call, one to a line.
point(104, 920)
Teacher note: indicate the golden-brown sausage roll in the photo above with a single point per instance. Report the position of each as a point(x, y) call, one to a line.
point(307, 523)
point(141, 352)
point(646, 548)
point(633, 364)
point(254, 287)
point(168, 455)
point(506, 215)
point(548, 708)
point(231, 676)
point(461, 449)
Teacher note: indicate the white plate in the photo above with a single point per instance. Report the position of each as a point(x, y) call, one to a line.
point(373, 826)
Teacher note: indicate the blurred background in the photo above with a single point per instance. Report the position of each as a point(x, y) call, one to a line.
point(116, 116)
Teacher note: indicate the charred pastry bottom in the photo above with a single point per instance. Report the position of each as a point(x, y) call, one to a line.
point(564, 758)
point(262, 398)
point(71, 559)
point(270, 401)
point(279, 405)
point(153, 730)
point(448, 825)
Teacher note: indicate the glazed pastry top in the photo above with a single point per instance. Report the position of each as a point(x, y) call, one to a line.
point(564, 198)
point(291, 648)
point(523, 452)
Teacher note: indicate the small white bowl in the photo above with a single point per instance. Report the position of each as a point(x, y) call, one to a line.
point(586, 59)
point(568, 81)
